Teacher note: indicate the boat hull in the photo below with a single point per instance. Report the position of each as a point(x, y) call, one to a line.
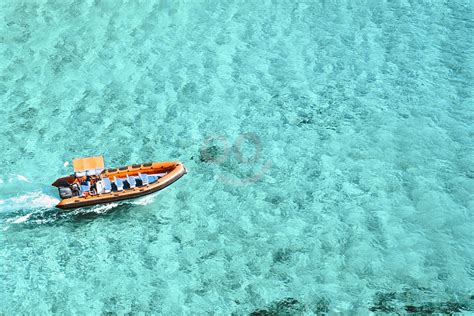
point(174, 171)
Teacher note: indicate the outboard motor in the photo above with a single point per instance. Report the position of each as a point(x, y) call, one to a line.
point(65, 192)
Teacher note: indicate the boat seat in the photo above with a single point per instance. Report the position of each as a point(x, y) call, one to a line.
point(126, 185)
point(152, 178)
point(107, 185)
point(131, 181)
point(85, 187)
point(119, 183)
point(144, 178)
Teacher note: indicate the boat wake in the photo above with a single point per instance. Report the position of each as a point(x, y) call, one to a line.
point(38, 208)
point(31, 200)
point(146, 200)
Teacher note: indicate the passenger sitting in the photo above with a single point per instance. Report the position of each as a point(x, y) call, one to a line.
point(76, 191)
point(93, 189)
point(81, 179)
point(93, 182)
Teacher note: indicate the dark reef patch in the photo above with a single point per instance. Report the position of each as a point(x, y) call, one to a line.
point(286, 306)
point(282, 255)
point(442, 307)
point(383, 302)
point(210, 153)
point(393, 302)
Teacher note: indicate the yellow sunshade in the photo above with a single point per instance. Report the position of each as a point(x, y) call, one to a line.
point(88, 163)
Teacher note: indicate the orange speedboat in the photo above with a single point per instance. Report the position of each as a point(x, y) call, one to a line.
point(92, 184)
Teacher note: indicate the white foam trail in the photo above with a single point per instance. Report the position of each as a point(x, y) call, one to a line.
point(22, 219)
point(22, 178)
point(99, 209)
point(31, 200)
point(66, 163)
point(37, 199)
point(143, 200)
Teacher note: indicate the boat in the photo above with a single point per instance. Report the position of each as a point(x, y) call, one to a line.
point(93, 184)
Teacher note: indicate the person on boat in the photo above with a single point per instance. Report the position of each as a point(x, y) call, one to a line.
point(75, 187)
point(93, 182)
point(81, 179)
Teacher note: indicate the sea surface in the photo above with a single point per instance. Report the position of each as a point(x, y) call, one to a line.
point(330, 148)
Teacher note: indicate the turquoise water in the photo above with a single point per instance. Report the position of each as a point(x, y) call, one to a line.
point(329, 147)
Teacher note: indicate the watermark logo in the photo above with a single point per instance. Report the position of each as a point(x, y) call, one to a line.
point(238, 168)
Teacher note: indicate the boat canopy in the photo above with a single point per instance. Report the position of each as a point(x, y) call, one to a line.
point(88, 166)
